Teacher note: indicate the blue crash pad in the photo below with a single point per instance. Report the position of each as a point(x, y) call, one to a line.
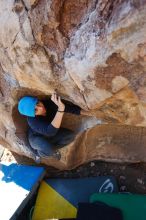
point(17, 185)
point(79, 190)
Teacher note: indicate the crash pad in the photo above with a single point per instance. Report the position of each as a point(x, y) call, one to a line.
point(133, 206)
point(59, 198)
point(17, 185)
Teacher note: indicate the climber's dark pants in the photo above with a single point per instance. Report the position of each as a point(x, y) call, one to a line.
point(45, 146)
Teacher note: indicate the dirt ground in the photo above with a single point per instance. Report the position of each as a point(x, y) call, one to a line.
point(130, 177)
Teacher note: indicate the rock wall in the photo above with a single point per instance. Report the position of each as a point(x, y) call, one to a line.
point(93, 52)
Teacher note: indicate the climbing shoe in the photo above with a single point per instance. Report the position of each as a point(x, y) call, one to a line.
point(37, 159)
point(56, 155)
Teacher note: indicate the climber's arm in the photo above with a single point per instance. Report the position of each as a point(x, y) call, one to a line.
point(59, 114)
point(74, 109)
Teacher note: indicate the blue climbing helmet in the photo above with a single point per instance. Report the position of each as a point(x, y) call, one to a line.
point(26, 105)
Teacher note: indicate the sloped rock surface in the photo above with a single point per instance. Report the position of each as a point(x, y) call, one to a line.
point(114, 143)
point(94, 54)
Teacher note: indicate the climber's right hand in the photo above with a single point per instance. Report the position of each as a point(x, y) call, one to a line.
point(57, 100)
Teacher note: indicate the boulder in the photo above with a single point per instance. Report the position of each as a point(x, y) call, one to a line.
point(94, 54)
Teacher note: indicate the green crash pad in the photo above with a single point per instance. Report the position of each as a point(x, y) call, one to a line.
point(132, 206)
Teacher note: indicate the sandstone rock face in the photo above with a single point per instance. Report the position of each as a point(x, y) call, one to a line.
point(94, 54)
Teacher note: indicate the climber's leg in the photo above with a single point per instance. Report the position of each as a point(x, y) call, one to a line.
point(40, 143)
point(63, 137)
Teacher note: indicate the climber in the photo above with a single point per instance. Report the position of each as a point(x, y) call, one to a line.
point(44, 118)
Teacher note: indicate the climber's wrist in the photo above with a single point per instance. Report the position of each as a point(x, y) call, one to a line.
point(61, 109)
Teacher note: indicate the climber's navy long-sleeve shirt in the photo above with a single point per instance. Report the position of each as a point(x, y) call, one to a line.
point(42, 124)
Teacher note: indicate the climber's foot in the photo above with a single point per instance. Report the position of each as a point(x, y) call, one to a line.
point(56, 155)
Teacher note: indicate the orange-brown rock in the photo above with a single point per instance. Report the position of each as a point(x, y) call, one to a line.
point(116, 143)
point(94, 54)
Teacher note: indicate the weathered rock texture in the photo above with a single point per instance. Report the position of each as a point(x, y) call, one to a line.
point(93, 52)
